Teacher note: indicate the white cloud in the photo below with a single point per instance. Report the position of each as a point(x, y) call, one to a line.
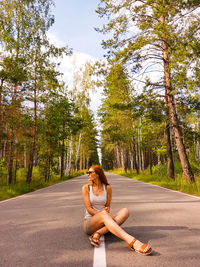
point(71, 64)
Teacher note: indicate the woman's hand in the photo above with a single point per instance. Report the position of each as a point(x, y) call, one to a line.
point(107, 209)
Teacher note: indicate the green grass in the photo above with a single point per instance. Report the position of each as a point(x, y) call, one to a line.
point(21, 187)
point(178, 184)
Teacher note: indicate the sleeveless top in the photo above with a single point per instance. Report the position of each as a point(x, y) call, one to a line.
point(97, 202)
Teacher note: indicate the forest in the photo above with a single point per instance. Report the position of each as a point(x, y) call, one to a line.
point(46, 130)
point(150, 113)
point(150, 109)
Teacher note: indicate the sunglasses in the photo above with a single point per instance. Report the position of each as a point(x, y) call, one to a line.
point(90, 172)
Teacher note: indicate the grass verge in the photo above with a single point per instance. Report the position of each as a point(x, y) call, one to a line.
point(21, 187)
point(178, 184)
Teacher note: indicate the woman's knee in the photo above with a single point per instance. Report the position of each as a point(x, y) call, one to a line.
point(121, 216)
point(125, 212)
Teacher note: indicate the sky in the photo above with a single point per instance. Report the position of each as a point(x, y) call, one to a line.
point(75, 21)
point(74, 25)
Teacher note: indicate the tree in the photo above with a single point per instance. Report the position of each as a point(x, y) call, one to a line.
point(59, 123)
point(86, 139)
point(116, 118)
point(27, 67)
point(42, 77)
point(160, 38)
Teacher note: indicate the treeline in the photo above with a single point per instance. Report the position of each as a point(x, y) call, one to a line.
point(151, 110)
point(42, 123)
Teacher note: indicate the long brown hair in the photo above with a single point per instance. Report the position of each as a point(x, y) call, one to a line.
point(98, 170)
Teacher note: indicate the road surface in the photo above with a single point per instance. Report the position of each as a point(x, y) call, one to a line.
point(45, 228)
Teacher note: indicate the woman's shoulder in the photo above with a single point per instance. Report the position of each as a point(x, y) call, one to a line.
point(108, 187)
point(85, 187)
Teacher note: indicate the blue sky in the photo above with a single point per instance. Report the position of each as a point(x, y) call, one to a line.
point(74, 26)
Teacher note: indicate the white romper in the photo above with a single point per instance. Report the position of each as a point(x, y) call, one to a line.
point(97, 202)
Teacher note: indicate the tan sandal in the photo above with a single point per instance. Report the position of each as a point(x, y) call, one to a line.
point(95, 241)
point(142, 250)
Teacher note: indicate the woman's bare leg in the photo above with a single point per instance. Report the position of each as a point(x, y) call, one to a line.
point(104, 218)
point(120, 217)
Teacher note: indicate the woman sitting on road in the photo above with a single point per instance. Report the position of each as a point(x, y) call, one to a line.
point(98, 221)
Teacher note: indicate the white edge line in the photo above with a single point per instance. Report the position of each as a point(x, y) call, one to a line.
point(99, 259)
point(37, 190)
point(168, 189)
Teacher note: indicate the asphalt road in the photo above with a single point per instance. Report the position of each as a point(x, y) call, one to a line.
point(44, 228)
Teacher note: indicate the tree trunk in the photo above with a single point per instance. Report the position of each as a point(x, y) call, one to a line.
point(81, 158)
point(32, 150)
point(77, 152)
point(49, 168)
point(197, 144)
point(187, 171)
point(170, 166)
point(11, 156)
point(143, 160)
point(125, 158)
point(149, 151)
point(138, 149)
point(131, 160)
point(12, 138)
point(122, 158)
point(158, 163)
point(69, 157)
point(135, 156)
point(118, 157)
point(25, 156)
point(15, 172)
point(62, 159)
point(1, 120)
point(84, 159)
point(5, 144)
point(30, 165)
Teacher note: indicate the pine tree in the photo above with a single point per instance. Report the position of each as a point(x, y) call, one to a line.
point(149, 34)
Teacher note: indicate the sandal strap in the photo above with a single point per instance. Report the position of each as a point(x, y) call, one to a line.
point(96, 233)
point(143, 247)
point(92, 236)
point(131, 244)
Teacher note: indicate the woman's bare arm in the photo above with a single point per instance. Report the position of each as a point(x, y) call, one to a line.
point(109, 197)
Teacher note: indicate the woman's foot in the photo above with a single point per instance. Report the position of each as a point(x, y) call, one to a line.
point(94, 239)
point(140, 248)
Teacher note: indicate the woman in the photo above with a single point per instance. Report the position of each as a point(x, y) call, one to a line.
point(98, 221)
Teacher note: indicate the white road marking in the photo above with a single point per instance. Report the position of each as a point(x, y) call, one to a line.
point(26, 194)
point(168, 189)
point(100, 254)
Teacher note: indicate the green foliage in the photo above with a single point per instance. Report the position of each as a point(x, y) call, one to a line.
point(41, 122)
point(159, 38)
point(115, 113)
point(13, 70)
point(21, 187)
point(178, 184)
point(3, 171)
